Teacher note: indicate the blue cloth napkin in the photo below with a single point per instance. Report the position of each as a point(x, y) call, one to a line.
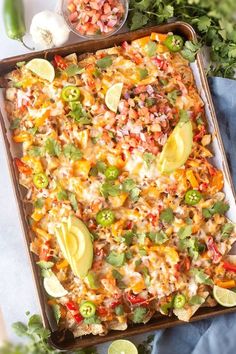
point(215, 335)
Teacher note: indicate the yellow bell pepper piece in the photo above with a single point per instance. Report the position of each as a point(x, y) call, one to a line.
point(82, 137)
point(22, 137)
point(115, 160)
point(37, 215)
point(42, 234)
point(141, 42)
point(139, 286)
point(192, 179)
point(34, 163)
point(118, 200)
point(40, 120)
point(61, 265)
point(159, 37)
point(81, 168)
point(152, 192)
point(117, 228)
point(227, 284)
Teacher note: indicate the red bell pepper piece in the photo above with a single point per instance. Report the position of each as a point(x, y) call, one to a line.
point(215, 253)
point(79, 318)
point(60, 62)
point(114, 304)
point(71, 306)
point(229, 266)
point(135, 299)
point(22, 167)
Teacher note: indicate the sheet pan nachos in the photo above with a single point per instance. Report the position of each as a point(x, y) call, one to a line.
point(128, 212)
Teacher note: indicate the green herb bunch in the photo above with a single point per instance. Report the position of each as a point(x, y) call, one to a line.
point(36, 339)
point(214, 21)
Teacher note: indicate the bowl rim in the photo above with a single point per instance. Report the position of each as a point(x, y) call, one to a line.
point(96, 36)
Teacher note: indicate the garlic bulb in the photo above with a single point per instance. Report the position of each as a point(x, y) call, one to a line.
point(49, 29)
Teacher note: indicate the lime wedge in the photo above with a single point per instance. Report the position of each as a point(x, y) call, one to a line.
point(224, 297)
point(42, 68)
point(113, 94)
point(53, 287)
point(122, 346)
point(177, 148)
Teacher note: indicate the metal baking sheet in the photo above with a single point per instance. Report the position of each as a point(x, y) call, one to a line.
point(65, 340)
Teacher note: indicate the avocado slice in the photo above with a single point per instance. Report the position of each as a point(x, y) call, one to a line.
point(76, 245)
point(177, 148)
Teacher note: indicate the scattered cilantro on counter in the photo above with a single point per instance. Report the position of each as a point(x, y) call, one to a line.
point(36, 336)
point(213, 20)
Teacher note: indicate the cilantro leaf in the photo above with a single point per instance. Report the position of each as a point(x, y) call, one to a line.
point(203, 23)
point(92, 320)
point(73, 70)
point(52, 147)
point(138, 20)
point(185, 231)
point(227, 230)
point(128, 185)
point(72, 152)
point(172, 96)
point(39, 203)
point(62, 195)
point(110, 189)
point(167, 215)
point(127, 238)
point(149, 158)
point(20, 329)
point(151, 48)
point(73, 201)
point(45, 265)
point(158, 237)
point(218, 208)
point(196, 300)
point(35, 151)
point(190, 50)
point(119, 279)
point(143, 73)
point(134, 194)
point(201, 277)
point(139, 314)
point(116, 259)
point(15, 124)
point(56, 312)
point(119, 310)
point(101, 166)
point(104, 62)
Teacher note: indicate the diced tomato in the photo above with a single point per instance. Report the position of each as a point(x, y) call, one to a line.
point(22, 167)
point(60, 62)
point(102, 311)
point(129, 225)
point(203, 186)
point(79, 318)
point(44, 254)
point(152, 218)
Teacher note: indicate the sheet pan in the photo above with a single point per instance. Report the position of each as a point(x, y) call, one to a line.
point(65, 340)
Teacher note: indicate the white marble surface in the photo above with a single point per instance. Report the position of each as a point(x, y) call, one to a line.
point(17, 290)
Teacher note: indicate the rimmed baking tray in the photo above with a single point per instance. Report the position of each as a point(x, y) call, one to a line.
point(65, 340)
